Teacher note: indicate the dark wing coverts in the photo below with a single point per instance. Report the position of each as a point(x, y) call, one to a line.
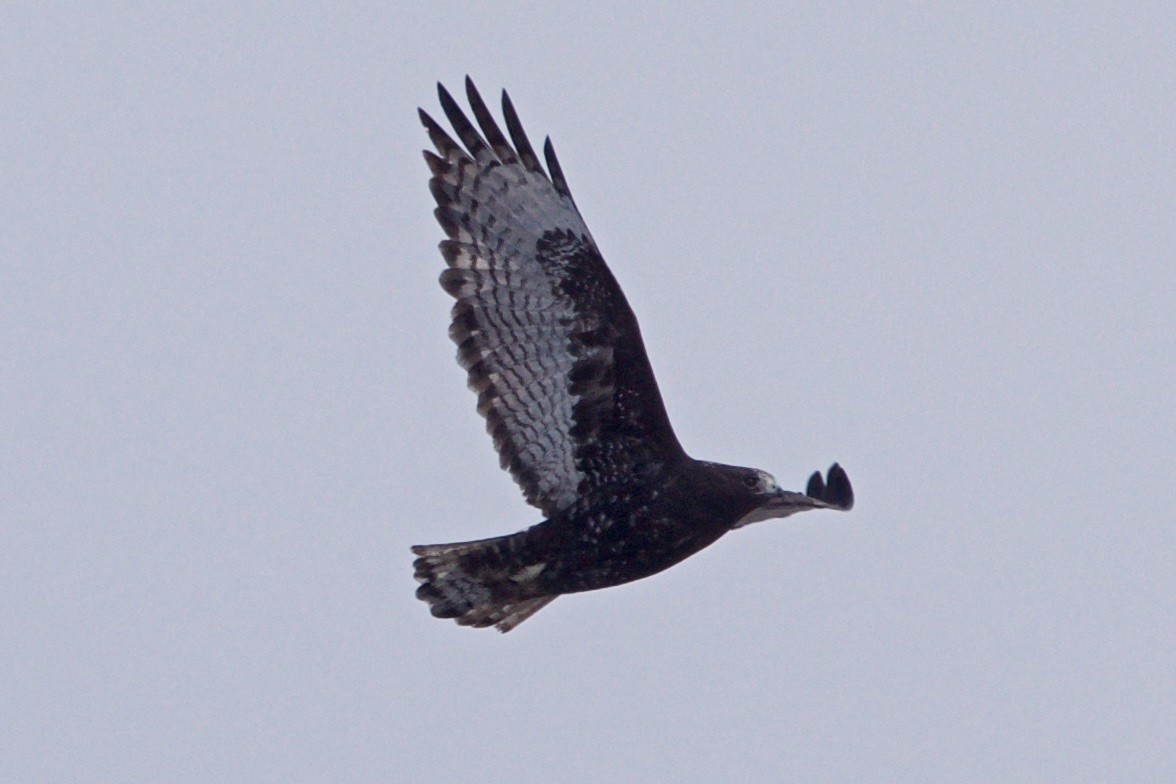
point(550, 344)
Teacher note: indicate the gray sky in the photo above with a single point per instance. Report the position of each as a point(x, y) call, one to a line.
point(935, 245)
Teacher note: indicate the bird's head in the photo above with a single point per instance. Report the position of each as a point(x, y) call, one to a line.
point(773, 501)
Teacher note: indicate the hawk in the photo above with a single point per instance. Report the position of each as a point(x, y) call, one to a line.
point(555, 356)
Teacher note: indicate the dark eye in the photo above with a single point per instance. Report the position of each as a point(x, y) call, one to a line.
point(751, 482)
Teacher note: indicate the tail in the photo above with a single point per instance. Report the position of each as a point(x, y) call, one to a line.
point(482, 583)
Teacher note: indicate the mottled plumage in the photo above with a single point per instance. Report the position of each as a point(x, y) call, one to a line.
point(554, 353)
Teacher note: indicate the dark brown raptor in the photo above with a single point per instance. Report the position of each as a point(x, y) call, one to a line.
point(555, 355)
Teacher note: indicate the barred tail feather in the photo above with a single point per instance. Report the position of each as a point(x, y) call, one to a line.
point(479, 583)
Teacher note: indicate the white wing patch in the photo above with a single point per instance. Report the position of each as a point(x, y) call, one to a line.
point(528, 573)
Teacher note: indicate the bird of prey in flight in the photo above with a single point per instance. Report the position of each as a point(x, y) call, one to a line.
point(555, 356)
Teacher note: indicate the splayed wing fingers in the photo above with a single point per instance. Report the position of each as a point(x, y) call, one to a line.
point(836, 493)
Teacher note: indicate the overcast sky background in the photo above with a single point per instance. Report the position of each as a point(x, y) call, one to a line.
point(934, 243)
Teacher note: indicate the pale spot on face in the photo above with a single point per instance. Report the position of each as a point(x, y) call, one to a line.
point(767, 482)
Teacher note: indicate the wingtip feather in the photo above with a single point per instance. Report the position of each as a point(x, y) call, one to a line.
point(557, 175)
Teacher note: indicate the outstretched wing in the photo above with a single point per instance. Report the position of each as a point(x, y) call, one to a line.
point(550, 344)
